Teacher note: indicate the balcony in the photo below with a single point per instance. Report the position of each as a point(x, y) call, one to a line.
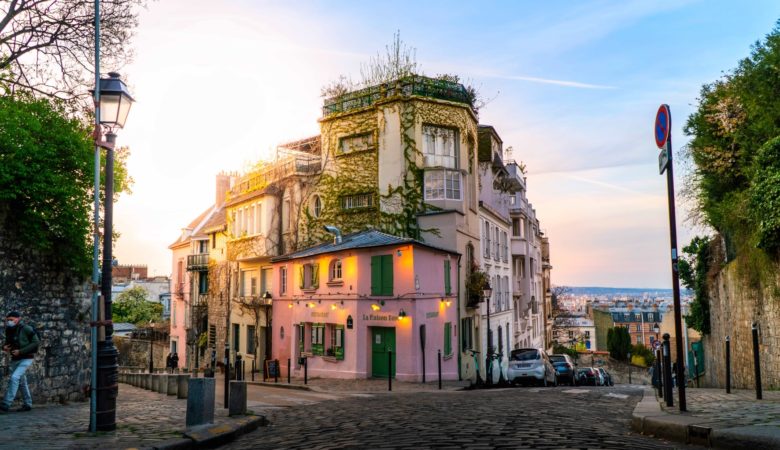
point(519, 246)
point(200, 300)
point(199, 261)
point(405, 87)
point(275, 171)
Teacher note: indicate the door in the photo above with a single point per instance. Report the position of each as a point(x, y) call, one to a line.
point(382, 342)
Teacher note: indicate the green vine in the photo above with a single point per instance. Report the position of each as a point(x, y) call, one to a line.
point(694, 272)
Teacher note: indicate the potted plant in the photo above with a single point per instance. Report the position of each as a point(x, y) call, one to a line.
point(476, 281)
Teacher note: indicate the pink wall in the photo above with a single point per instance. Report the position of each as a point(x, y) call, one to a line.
point(333, 302)
point(179, 303)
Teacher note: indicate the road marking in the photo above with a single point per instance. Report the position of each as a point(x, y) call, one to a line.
point(576, 391)
point(620, 396)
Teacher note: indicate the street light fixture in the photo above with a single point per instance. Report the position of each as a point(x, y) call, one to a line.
point(487, 292)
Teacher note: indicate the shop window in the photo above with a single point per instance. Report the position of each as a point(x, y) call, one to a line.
point(382, 275)
point(318, 339)
point(336, 348)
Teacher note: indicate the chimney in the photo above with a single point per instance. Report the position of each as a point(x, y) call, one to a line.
point(223, 186)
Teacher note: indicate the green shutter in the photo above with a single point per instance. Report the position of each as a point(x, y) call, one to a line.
point(315, 276)
point(387, 275)
point(339, 350)
point(301, 273)
point(447, 287)
point(376, 275)
point(448, 339)
point(302, 340)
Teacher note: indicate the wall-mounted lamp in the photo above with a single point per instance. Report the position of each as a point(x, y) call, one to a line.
point(375, 307)
point(333, 307)
point(289, 305)
point(398, 252)
point(446, 302)
point(310, 305)
point(401, 314)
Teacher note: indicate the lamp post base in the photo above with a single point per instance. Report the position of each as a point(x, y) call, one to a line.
point(107, 388)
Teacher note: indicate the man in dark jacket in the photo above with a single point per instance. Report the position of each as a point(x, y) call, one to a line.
point(21, 341)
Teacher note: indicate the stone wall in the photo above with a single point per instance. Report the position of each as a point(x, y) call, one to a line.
point(57, 304)
point(134, 353)
point(734, 306)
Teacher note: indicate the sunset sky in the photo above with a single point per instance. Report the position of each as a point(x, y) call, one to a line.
point(573, 87)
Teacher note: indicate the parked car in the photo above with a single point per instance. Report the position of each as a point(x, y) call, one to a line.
point(531, 365)
point(564, 368)
point(588, 376)
point(606, 377)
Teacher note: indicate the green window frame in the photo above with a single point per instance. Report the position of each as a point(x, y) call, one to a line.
point(448, 339)
point(302, 340)
point(447, 282)
point(337, 341)
point(318, 339)
point(382, 275)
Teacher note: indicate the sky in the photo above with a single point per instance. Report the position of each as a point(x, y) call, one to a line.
point(572, 87)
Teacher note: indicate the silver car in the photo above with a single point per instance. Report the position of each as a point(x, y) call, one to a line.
point(531, 365)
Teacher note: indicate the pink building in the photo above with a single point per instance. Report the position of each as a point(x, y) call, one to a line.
point(365, 305)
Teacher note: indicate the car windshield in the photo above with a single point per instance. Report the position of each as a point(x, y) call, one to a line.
point(557, 358)
point(525, 355)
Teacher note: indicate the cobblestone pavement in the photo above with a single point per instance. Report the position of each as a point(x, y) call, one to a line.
point(374, 385)
point(739, 408)
point(143, 417)
point(539, 418)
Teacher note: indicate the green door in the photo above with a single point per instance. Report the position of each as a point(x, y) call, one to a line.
point(382, 341)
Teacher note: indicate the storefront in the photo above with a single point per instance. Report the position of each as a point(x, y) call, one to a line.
point(370, 305)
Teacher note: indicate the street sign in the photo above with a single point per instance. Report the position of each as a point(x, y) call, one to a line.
point(663, 161)
point(663, 123)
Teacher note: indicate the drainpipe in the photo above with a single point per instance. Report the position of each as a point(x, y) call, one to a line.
point(460, 324)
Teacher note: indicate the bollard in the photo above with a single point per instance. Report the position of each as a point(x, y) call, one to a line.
point(668, 393)
point(162, 386)
point(305, 370)
point(146, 381)
point(237, 398)
point(696, 368)
point(757, 362)
point(173, 384)
point(728, 365)
point(254, 366)
point(276, 373)
point(659, 374)
point(200, 401)
point(390, 370)
point(155, 385)
point(288, 370)
point(439, 361)
point(183, 381)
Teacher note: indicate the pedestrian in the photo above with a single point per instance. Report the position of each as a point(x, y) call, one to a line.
point(168, 363)
point(175, 362)
point(21, 341)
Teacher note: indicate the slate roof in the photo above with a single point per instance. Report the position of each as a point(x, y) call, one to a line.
point(362, 239)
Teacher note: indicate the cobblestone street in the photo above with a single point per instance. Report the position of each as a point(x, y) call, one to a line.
point(537, 418)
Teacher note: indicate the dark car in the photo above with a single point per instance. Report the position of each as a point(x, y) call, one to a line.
point(564, 367)
point(587, 376)
point(606, 376)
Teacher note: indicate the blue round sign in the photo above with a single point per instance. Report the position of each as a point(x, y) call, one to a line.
point(663, 122)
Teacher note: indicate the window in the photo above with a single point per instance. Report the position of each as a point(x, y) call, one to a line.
point(203, 282)
point(236, 336)
point(212, 336)
point(258, 218)
point(448, 339)
point(234, 219)
point(251, 215)
point(638, 327)
point(266, 280)
point(447, 283)
point(442, 185)
point(497, 244)
point(283, 280)
point(488, 229)
point(500, 340)
point(240, 224)
point(512, 200)
point(173, 347)
point(286, 215)
point(439, 147)
point(317, 338)
point(382, 275)
point(357, 201)
point(359, 143)
point(334, 272)
point(253, 286)
point(639, 339)
point(466, 336)
point(316, 206)
point(336, 341)
point(587, 334)
point(309, 276)
point(504, 246)
point(251, 345)
point(515, 227)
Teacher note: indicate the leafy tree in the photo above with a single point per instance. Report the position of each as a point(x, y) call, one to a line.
point(133, 306)
point(644, 352)
point(618, 343)
point(694, 266)
point(48, 46)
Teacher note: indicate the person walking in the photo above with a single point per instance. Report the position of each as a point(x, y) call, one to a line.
point(21, 341)
point(175, 362)
point(168, 363)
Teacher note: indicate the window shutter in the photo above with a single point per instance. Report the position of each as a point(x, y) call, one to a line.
point(387, 275)
point(315, 276)
point(376, 275)
point(447, 287)
point(447, 338)
point(301, 273)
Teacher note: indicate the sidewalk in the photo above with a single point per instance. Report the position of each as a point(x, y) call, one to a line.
point(144, 420)
point(714, 418)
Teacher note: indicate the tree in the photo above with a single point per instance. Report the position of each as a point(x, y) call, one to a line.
point(618, 343)
point(48, 46)
point(46, 173)
point(133, 306)
point(694, 266)
point(557, 293)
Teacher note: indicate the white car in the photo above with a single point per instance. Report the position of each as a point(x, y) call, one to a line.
point(531, 364)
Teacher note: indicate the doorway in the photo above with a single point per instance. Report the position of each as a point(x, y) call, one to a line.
point(382, 342)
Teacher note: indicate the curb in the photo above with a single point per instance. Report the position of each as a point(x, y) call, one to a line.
point(212, 435)
point(299, 387)
point(649, 419)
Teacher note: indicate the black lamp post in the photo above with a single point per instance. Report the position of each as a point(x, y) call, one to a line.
point(113, 101)
point(657, 330)
point(487, 292)
point(268, 301)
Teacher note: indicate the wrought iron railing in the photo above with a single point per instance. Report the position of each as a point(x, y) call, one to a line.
point(408, 86)
point(279, 169)
point(198, 262)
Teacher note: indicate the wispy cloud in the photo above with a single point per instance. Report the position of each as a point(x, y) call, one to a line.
point(566, 83)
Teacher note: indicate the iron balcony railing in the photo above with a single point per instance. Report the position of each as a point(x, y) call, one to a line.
point(408, 86)
point(199, 261)
point(279, 169)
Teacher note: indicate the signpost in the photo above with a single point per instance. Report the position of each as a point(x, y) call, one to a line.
point(663, 139)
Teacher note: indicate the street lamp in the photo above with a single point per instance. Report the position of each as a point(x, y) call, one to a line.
point(112, 97)
point(268, 300)
point(487, 291)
